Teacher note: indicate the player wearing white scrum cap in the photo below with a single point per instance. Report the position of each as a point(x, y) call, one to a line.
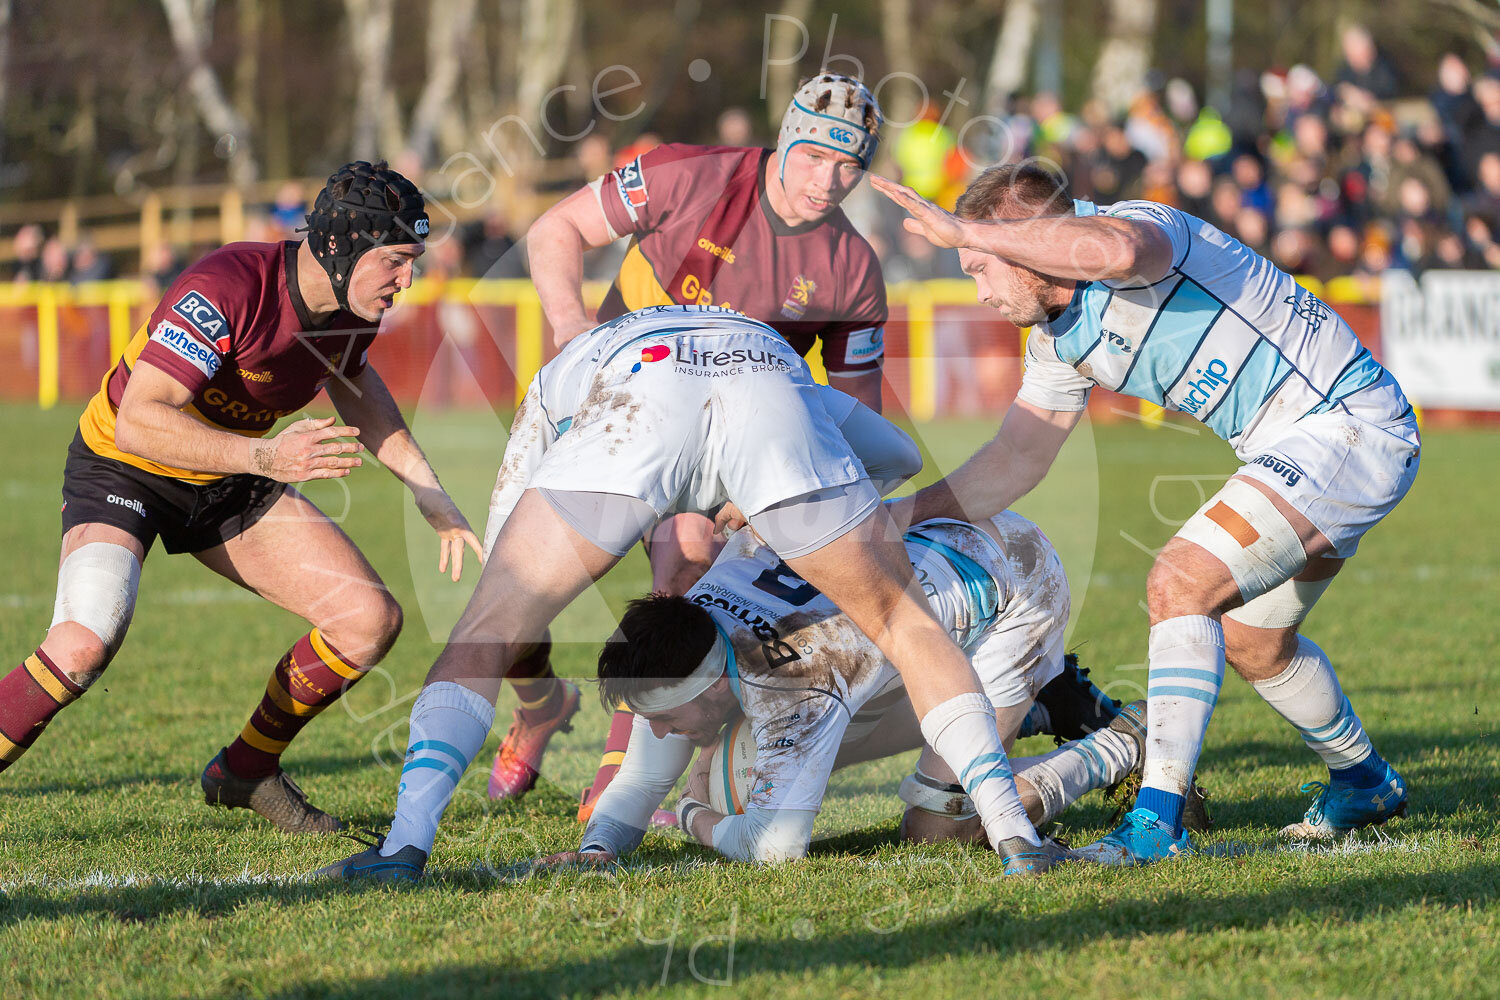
point(684, 408)
point(756, 230)
point(753, 638)
point(1151, 302)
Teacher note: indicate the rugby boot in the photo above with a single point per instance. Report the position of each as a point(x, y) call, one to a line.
point(1339, 809)
point(518, 762)
point(276, 797)
point(1131, 722)
point(404, 866)
point(1075, 706)
point(1140, 840)
point(1022, 857)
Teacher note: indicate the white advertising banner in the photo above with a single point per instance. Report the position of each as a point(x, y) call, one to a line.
point(1440, 337)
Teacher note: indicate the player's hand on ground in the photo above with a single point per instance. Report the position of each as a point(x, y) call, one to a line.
point(308, 449)
point(575, 859)
point(452, 528)
point(940, 228)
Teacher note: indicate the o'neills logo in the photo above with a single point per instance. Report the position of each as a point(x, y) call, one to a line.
point(134, 505)
point(1213, 375)
point(712, 364)
point(707, 245)
point(1286, 470)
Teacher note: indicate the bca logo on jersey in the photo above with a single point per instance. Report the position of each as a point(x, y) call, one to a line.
point(632, 181)
point(203, 316)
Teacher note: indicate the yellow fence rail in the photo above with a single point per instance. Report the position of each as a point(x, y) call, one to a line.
point(920, 300)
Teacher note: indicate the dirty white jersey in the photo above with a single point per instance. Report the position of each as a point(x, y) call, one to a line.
point(683, 408)
point(807, 678)
point(1226, 337)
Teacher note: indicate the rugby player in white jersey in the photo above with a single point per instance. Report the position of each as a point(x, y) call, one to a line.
point(752, 637)
point(665, 410)
point(1148, 301)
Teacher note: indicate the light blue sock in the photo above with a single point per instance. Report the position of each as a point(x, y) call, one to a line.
point(449, 724)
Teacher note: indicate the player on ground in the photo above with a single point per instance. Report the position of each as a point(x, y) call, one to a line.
point(759, 231)
point(756, 230)
point(753, 638)
point(173, 447)
point(682, 408)
point(1151, 302)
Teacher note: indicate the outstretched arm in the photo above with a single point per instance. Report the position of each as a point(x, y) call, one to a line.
point(555, 245)
point(1089, 248)
point(998, 474)
point(365, 400)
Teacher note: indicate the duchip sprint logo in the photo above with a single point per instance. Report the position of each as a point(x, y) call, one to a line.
point(655, 352)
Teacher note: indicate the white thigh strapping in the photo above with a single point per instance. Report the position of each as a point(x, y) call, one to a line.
point(1281, 607)
point(96, 588)
point(1241, 527)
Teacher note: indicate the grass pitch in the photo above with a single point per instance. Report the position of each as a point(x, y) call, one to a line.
point(115, 879)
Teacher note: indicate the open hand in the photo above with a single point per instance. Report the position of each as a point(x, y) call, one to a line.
point(308, 449)
point(452, 528)
point(940, 228)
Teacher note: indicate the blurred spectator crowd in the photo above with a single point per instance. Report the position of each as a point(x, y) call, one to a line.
point(1333, 179)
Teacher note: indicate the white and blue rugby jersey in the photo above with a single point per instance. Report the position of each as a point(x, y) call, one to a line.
point(1226, 337)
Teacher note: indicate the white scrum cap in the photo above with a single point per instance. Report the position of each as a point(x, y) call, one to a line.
point(835, 112)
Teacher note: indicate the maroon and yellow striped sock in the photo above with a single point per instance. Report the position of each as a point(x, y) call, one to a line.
point(614, 751)
point(30, 696)
point(310, 677)
point(537, 686)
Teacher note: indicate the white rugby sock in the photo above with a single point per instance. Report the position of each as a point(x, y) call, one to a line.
point(1076, 768)
point(1185, 673)
point(1307, 694)
point(449, 724)
point(962, 731)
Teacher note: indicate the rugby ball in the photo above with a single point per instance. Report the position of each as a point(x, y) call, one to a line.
point(731, 769)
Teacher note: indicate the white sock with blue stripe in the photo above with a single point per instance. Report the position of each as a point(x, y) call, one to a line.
point(1185, 674)
point(449, 724)
point(1065, 775)
point(1307, 694)
point(962, 732)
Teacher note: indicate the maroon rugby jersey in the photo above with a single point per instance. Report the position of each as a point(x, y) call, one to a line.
point(703, 233)
point(234, 330)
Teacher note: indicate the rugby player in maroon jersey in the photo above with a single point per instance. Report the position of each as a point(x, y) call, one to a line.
point(756, 230)
point(173, 446)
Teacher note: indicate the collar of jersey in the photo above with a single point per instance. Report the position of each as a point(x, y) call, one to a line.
point(1069, 316)
point(731, 670)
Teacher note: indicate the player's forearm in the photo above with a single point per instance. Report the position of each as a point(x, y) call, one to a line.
point(163, 433)
point(555, 247)
point(368, 405)
point(988, 483)
point(1094, 248)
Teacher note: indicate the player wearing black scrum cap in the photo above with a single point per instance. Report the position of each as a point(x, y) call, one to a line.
point(174, 446)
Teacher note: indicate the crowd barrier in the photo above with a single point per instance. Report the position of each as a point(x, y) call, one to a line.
point(478, 342)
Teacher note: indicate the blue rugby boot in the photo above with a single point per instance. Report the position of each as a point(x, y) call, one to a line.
point(1025, 858)
point(404, 866)
point(1339, 808)
point(1140, 840)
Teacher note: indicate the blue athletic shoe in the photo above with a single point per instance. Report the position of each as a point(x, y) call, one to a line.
point(1022, 857)
point(404, 866)
point(1339, 809)
point(1141, 839)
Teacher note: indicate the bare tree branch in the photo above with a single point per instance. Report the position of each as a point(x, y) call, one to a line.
point(370, 24)
point(449, 24)
point(189, 35)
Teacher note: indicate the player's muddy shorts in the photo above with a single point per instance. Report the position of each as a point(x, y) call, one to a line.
point(189, 517)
